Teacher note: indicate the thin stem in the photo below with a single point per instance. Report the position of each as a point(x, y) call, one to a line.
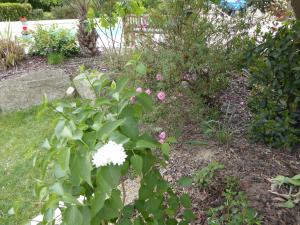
point(124, 192)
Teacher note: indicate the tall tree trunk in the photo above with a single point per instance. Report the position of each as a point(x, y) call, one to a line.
point(296, 7)
point(87, 37)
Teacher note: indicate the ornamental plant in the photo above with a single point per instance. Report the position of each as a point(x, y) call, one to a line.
point(275, 83)
point(94, 147)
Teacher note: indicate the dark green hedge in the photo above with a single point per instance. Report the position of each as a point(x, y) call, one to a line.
point(13, 11)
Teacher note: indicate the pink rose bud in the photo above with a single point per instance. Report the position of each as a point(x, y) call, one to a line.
point(139, 90)
point(132, 99)
point(159, 77)
point(161, 141)
point(148, 91)
point(161, 96)
point(162, 136)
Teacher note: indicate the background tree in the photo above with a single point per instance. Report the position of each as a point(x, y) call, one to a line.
point(87, 34)
point(296, 7)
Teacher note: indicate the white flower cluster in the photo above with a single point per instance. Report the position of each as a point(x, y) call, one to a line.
point(110, 153)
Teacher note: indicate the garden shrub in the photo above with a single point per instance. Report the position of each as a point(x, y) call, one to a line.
point(94, 147)
point(36, 14)
point(64, 12)
point(11, 52)
point(53, 39)
point(14, 11)
point(195, 45)
point(275, 82)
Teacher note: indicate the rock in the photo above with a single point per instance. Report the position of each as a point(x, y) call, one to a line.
point(29, 90)
point(83, 87)
point(70, 92)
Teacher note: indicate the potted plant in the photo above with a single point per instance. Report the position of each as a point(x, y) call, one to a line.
point(25, 32)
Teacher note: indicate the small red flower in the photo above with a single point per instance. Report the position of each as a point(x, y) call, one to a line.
point(25, 28)
point(23, 18)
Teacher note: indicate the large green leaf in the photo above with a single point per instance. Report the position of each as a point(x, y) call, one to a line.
point(142, 144)
point(82, 167)
point(146, 101)
point(73, 216)
point(137, 163)
point(110, 174)
point(109, 127)
point(130, 128)
point(97, 203)
point(63, 158)
point(112, 207)
point(122, 83)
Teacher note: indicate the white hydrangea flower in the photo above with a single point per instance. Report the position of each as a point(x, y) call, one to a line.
point(110, 153)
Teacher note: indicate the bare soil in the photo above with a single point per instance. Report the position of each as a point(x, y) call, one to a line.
point(70, 66)
point(253, 164)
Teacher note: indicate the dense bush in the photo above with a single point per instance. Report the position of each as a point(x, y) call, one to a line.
point(37, 4)
point(13, 11)
point(54, 39)
point(64, 12)
point(195, 45)
point(275, 99)
point(36, 14)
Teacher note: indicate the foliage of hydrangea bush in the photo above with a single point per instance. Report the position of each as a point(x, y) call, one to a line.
point(95, 146)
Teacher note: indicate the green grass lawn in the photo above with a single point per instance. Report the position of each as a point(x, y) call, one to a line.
point(21, 134)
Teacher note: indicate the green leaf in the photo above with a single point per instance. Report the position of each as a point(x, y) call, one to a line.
point(185, 200)
point(122, 83)
point(81, 166)
point(288, 204)
point(137, 163)
point(142, 144)
point(295, 182)
point(90, 138)
point(119, 138)
point(113, 85)
point(109, 127)
point(130, 128)
point(188, 215)
point(141, 69)
point(110, 175)
point(165, 148)
point(146, 101)
point(112, 206)
point(73, 216)
point(185, 182)
point(57, 188)
point(63, 158)
point(97, 203)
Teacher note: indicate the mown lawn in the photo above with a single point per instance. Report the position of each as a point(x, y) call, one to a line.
point(21, 134)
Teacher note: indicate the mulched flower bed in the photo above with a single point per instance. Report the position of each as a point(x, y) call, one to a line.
point(70, 66)
point(253, 164)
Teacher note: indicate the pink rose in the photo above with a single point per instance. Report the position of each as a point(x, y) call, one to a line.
point(161, 96)
point(162, 136)
point(159, 77)
point(148, 91)
point(139, 90)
